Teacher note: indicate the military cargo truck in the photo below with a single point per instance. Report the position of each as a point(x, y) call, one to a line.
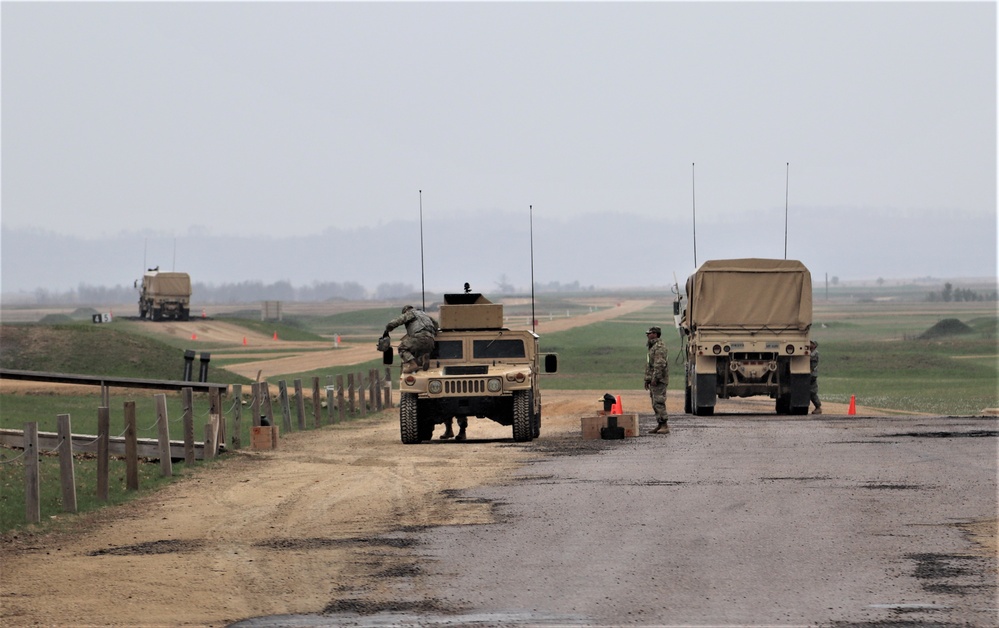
point(165, 295)
point(478, 368)
point(746, 329)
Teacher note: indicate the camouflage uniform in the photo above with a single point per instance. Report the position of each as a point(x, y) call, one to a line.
point(657, 378)
point(418, 342)
point(814, 380)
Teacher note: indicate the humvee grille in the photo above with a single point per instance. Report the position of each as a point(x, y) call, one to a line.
point(464, 386)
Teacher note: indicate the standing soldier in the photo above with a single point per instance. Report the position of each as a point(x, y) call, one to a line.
point(814, 380)
point(657, 378)
point(416, 346)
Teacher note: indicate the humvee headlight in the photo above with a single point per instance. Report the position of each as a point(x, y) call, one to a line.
point(789, 349)
point(435, 386)
point(494, 385)
point(716, 349)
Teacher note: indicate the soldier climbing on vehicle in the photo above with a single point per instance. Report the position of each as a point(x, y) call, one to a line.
point(416, 346)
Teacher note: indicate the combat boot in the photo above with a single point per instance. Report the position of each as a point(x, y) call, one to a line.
point(448, 432)
point(817, 410)
point(461, 434)
point(410, 367)
point(662, 428)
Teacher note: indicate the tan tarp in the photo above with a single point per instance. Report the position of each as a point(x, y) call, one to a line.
point(168, 284)
point(750, 293)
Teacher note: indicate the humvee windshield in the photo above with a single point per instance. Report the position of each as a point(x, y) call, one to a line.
point(446, 350)
point(492, 349)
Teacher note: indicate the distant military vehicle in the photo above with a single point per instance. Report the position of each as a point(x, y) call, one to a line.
point(478, 368)
point(746, 325)
point(165, 295)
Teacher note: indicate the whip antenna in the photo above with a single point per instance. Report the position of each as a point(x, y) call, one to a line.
point(423, 281)
point(533, 318)
point(693, 208)
point(787, 176)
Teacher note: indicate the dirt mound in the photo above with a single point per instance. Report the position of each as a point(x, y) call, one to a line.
point(944, 328)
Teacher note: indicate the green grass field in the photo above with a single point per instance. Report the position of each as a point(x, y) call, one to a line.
point(870, 349)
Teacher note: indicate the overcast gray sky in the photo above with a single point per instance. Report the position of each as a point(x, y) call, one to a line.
point(271, 118)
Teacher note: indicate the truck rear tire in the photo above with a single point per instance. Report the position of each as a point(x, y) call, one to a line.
point(686, 400)
point(409, 419)
point(523, 424)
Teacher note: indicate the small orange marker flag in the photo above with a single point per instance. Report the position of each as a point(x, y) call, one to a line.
point(853, 405)
point(244, 341)
point(194, 336)
point(275, 335)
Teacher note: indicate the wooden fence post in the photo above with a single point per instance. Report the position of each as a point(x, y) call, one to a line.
point(162, 422)
point(32, 485)
point(341, 403)
point(350, 393)
point(211, 440)
point(103, 453)
point(187, 404)
point(330, 399)
point(299, 404)
point(317, 406)
point(376, 399)
point(216, 419)
point(285, 407)
point(132, 448)
point(255, 403)
point(267, 408)
point(66, 477)
point(362, 405)
point(237, 416)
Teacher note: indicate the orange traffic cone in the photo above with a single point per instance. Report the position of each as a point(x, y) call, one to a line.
point(620, 406)
point(194, 336)
point(275, 335)
point(853, 405)
point(244, 341)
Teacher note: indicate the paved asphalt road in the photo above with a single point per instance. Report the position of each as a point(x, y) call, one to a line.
point(728, 521)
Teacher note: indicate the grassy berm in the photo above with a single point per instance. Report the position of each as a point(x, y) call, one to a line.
point(88, 349)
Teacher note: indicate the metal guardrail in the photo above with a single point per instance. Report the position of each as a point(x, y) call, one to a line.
point(104, 382)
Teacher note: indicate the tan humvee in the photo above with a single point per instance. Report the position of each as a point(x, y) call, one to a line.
point(478, 368)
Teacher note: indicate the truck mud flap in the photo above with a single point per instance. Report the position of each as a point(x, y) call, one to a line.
point(800, 393)
point(703, 400)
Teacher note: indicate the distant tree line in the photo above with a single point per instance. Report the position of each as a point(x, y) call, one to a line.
point(951, 294)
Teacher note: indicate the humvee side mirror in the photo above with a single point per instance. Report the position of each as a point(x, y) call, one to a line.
point(387, 357)
point(551, 362)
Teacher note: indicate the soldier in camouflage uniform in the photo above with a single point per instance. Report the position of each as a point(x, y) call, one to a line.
point(416, 345)
point(814, 381)
point(657, 378)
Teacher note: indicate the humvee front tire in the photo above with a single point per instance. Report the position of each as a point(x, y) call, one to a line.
point(523, 428)
point(409, 419)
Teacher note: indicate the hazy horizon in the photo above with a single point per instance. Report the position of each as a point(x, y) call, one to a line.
point(241, 133)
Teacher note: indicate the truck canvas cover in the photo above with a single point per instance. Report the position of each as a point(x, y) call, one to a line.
point(750, 294)
point(170, 283)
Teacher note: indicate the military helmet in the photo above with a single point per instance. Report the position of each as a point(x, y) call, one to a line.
point(654, 330)
point(406, 308)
